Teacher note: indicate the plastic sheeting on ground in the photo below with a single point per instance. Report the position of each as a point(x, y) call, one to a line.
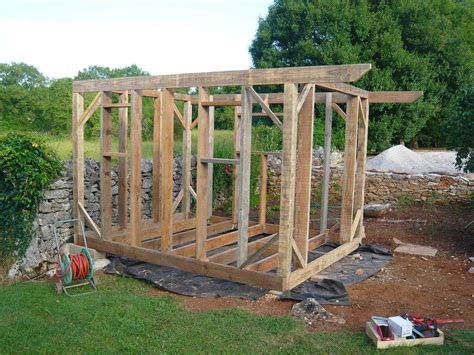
point(329, 289)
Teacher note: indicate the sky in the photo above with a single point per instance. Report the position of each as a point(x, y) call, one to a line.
point(61, 37)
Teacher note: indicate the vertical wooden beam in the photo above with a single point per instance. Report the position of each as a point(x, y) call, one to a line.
point(187, 145)
point(235, 194)
point(327, 163)
point(303, 174)
point(361, 162)
point(263, 189)
point(157, 122)
point(78, 160)
point(136, 168)
point(350, 150)
point(106, 167)
point(288, 178)
point(244, 177)
point(211, 154)
point(122, 163)
point(167, 169)
point(202, 185)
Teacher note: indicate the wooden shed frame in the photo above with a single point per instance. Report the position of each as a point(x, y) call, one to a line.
point(237, 249)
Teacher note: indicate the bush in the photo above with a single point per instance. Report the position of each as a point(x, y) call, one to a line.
point(27, 167)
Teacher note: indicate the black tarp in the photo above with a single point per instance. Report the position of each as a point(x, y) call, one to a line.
point(329, 289)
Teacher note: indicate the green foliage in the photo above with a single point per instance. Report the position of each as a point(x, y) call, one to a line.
point(461, 129)
point(27, 167)
point(412, 45)
point(267, 138)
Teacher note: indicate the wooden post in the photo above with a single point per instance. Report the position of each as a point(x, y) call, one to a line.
point(78, 160)
point(187, 144)
point(211, 155)
point(167, 169)
point(202, 185)
point(303, 174)
point(157, 123)
point(136, 168)
point(350, 149)
point(122, 163)
point(263, 189)
point(288, 178)
point(361, 162)
point(106, 166)
point(235, 194)
point(327, 164)
point(244, 177)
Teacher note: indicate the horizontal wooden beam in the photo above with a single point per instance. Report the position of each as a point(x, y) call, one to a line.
point(401, 97)
point(344, 89)
point(219, 271)
point(326, 73)
point(219, 161)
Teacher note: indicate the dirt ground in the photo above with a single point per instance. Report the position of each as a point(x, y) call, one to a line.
point(440, 286)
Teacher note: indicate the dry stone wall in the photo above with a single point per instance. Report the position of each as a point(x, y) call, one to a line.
point(57, 206)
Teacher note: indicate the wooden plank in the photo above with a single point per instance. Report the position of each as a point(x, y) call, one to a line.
point(187, 156)
point(217, 241)
point(320, 97)
point(219, 161)
point(355, 223)
point(89, 111)
point(202, 184)
point(115, 154)
point(157, 124)
point(288, 179)
point(299, 258)
point(362, 113)
point(271, 262)
point(303, 95)
point(300, 275)
point(177, 200)
point(262, 205)
point(154, 230)
point(195, 266)
point(348, 182)
point(210, 167)
point(344, 88)
point(193, 193)
point(105, 167)
point(244, 176)
point(265, 107)
point(394, 96)
point(167, 169)
point(122, 163)
point(326, 73)
point(235, 176)
point(266, 246)
point(136, 169)
point(195, 123)
point(339, 110)
point(303, 173)
point(78, 160)
point(116, 105)
point(178, 114)
point(362, 136)
point(327, 163)
point(89, 221)
point(231, 255)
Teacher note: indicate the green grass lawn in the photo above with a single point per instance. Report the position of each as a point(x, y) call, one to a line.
point(63, 145)
point(122, 318)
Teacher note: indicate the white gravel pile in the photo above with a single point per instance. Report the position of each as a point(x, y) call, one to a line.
point(400, 159)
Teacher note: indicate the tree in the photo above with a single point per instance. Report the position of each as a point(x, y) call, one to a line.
point(98, 72)
point(412, 45)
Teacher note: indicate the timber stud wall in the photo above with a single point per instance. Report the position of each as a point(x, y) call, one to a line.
point(256, 253)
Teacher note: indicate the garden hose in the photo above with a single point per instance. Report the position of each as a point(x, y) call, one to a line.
point(76, 267)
